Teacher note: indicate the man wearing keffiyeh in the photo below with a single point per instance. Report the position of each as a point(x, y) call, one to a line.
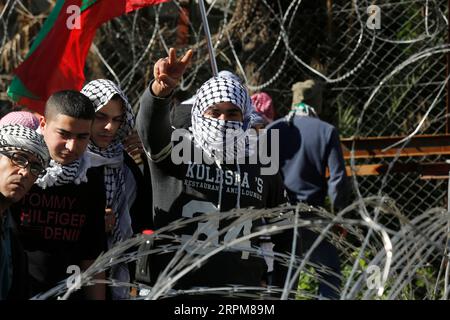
point(58, 221)
point(220, 118)
point(211, 184)
point(23, 157)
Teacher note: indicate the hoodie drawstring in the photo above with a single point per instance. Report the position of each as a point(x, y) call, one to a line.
point(221, 184)
point(238, 199)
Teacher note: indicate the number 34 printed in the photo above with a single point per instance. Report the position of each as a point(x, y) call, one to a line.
point(211, 228)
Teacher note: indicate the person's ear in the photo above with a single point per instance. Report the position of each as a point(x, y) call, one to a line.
point(42, 123)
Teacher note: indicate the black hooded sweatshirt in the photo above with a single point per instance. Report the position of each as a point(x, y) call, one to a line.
point(191, 189)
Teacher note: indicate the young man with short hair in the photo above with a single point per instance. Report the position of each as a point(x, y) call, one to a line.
point(61, 219)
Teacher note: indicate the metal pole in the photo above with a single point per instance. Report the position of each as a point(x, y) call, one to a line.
point(212, 55)
point(447, 126)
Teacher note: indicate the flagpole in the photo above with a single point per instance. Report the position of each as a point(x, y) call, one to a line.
point(212, 55)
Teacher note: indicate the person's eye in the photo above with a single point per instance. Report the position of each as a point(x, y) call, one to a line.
point(20, 159)
point(36, 169)
point(64, 135)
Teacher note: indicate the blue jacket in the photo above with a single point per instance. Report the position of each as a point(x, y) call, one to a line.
point(307, 147)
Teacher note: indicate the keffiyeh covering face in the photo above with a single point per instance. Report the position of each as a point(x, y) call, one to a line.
point(221, 139)
point(15, 137)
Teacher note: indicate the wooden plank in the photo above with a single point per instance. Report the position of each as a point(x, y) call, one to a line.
point(372, 147)
point(438, 170)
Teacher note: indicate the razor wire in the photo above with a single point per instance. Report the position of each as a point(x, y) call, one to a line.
point(382, 82)
point(418, 243)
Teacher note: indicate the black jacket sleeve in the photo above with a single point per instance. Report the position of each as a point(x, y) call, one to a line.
point(153, 125)
point(141, 210)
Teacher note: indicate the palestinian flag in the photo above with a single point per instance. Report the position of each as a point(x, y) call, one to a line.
point(57, 56)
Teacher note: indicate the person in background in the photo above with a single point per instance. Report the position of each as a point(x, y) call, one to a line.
point(264, 106)
point(257, 122)
point(308, 146)
point(24, 118)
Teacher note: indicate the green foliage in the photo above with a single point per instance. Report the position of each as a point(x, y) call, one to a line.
point(422, 286)
point(347, 119)
point(307, 284)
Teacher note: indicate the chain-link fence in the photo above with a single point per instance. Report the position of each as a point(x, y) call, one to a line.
point(272, 45)
point(275, 44)
point(379, 82)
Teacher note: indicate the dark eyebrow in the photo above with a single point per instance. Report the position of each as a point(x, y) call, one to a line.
point(105, 115)
point(79, 135)
point(27, 156)
point(23, 154)
point(215, 108)
point(83, 135)
point(64, 131)
point(234, 110)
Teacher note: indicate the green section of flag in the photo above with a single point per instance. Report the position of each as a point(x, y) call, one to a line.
point(48, 25)
point(17, 90)
point(50, 21)
point(87, 3)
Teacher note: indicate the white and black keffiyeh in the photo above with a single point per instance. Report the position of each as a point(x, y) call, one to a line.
point(59, 175)
point(15, 137)
point(100, 92)
point(221, 139)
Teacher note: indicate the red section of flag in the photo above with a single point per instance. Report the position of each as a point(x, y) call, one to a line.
point(58, 63)
point(137, 4)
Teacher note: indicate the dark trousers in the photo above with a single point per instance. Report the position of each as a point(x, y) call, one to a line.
point(327, 255)
point(324, 254)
